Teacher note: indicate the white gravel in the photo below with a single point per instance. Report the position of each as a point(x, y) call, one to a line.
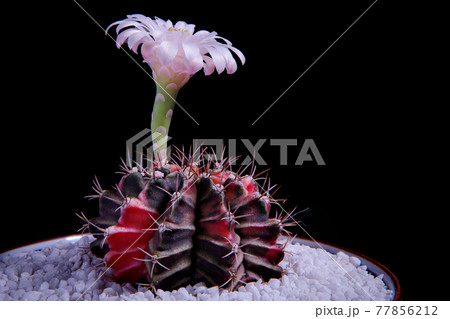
point(67, 272)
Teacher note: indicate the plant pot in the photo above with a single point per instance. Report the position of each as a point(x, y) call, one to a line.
point(373, 267)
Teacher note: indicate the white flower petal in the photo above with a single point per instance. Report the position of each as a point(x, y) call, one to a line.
point(167, 51)
point(218, 59)
point(123, 36)
point(202, 35)
point(231, 66)
point(184, 26)
point(239, 54)
point(132, 23)
point(136, 39)
point(228, 42)
point(192, 57)
point(111, 25)
point(208, 66)
point(124, 24)
point(163, 24)
point(147, 50)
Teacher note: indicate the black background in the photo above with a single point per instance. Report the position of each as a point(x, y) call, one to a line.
point(75, 99)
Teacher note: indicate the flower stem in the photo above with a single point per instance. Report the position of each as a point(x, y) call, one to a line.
point(161, 118)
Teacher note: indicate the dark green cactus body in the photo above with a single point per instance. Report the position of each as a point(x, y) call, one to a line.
point(218, 257)
point(169, 262)
point(174, 228)
point(258, 232)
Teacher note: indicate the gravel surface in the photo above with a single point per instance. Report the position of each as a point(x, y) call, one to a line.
point(67, 271)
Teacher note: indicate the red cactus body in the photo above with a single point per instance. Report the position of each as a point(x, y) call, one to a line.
point(128, 240)
point(183, 224)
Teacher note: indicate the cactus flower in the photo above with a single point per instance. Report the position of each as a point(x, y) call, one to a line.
point(174, 53)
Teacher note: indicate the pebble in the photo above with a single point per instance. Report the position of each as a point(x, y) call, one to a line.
point(32, 295)
point(80, 286)
point(44, 286)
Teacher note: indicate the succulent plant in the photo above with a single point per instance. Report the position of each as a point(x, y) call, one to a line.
point(185, 223)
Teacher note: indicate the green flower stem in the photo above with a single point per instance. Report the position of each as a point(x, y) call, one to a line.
point(161, 118)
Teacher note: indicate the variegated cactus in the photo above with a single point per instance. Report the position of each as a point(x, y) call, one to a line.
point(187, 223)
point(176, 224)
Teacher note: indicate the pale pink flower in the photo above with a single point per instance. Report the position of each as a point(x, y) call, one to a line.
point(175, 52)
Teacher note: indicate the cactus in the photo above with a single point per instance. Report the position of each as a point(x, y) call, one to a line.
point(177, 224)
point(184, 223)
